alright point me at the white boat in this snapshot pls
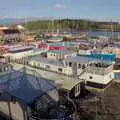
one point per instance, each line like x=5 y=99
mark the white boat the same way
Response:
x=96 y=73
x=55 y=39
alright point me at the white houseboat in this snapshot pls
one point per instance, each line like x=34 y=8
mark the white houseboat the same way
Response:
x=96 y=73
x=22 y=52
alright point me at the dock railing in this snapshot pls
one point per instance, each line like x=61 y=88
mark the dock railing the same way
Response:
x=99 y=70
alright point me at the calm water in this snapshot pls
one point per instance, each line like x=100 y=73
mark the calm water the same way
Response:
x=100 y=33
x=117 y=76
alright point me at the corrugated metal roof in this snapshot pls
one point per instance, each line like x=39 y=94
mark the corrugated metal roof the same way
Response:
x=47 y=61
x=79 y=59
x=20 y=49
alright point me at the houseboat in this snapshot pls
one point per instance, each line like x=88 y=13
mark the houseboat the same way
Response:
x=96 y=73
x=55 y=39
x=22 y=52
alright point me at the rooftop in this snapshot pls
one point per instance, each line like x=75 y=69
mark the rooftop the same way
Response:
x=10 y=31
x=61 y=81
x=47 y=61
x=62 y=51
x=80 y=59
x=20 y=49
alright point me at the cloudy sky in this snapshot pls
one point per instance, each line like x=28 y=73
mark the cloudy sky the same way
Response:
x=94 y=9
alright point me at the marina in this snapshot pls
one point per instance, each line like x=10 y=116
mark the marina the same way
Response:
x=44 y=77
x=59 y=60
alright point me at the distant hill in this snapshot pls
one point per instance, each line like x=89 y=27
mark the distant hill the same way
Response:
x=7 y=21
x=71 y=24
x=46 y=24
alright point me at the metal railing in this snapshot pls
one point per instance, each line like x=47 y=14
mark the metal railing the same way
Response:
x=99 y=70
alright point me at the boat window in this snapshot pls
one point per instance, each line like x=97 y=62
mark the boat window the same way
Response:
x=47 y=66
x=79 y=65
x=70 y=64
x=59 y=69
x=90 y=77
x=83 y=67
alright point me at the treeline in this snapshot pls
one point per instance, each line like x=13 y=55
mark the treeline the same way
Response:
x=71 y=24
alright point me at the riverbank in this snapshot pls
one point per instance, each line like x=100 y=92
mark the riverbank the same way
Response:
x=100 y=106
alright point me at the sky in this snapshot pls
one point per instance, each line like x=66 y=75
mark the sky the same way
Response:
x=88 y=9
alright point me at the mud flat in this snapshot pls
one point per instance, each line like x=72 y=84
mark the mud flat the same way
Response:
x=103 y=105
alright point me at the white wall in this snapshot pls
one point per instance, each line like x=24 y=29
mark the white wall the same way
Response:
x=51 y=56
x=98 y=78
x=84 y=52
x=68 y=71
x=65 y=70
x=23 y=54
x=19 y=55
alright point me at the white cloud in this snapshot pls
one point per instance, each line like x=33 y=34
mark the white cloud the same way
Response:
x=59 y=6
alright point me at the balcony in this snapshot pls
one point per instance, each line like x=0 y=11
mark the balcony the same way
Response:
x=99 y=69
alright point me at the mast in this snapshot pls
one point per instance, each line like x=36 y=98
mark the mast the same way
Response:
x=112 y=31
x=53 y=30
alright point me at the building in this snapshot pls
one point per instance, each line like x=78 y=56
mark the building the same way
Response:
x=9 y=35
x=78 y=64
x=79 y=67
x=19 y=52
x=65 y=66
x=28 y=37
x=60 y=55
x=24 y=95
x=112 y=49
x=59 y=51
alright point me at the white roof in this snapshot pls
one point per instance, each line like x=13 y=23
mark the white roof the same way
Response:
x=62 y=81
x=79 y=59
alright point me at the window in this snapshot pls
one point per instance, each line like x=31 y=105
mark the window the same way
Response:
x=79 y=65
x=70 y=64
x=83 y=67
x=77 y=90
x=90 y=77
x=47 y=66
x=59 y=69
